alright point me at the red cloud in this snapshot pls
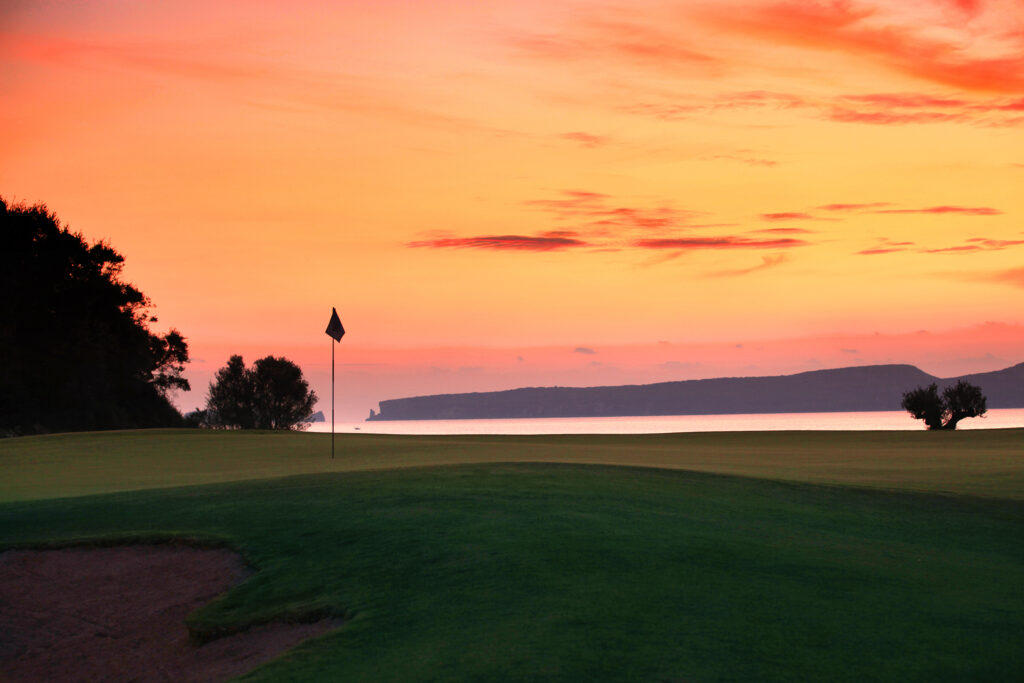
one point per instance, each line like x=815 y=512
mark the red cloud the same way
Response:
x=727 y=242
x=503 y=242
x=880 y=33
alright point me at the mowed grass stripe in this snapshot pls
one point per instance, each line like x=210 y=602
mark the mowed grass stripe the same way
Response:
x=512 y=572
x=983 y=462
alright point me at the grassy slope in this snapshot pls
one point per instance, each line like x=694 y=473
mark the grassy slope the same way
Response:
x=559 y=572
x=984 y=462
x=566 y=572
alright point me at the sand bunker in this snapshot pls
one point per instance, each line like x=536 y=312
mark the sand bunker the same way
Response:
x=118 y=614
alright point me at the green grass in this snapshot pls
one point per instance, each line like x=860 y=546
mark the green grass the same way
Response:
x=983 y=462
x=519 y=571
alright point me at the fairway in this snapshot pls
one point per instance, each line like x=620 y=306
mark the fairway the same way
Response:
x=981 y=462
x=457 y=558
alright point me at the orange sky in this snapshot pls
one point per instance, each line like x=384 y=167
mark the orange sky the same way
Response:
x=684 y=189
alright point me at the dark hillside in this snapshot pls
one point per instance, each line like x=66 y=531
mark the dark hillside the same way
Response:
x=877 y=387
x=866 y=388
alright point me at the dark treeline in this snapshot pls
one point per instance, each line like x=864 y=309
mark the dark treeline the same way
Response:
x=76 y=351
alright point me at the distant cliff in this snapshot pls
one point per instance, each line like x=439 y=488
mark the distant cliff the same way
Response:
x=864 y=388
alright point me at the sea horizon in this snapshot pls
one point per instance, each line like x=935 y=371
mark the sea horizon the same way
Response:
x=888 y=420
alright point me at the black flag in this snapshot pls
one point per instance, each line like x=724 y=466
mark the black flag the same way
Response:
x=334 y=328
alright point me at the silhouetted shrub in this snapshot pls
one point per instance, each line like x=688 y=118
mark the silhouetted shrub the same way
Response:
x=272 y=394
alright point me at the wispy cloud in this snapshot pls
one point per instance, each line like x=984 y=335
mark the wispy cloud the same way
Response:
x=728 y=242
x=975 y=244
x=870 y=108
x=744 y=156
x=784 y=231
x=586 y=139
x=612 y=41
x=923 y=43
x=503 y=242
x=886 y=246
x=597 y=213
x=960 y=210
x=788 y=216
x=852 y=207
x=594 y=222
x=972 y=245
x=1013 y=277
x=767 y=261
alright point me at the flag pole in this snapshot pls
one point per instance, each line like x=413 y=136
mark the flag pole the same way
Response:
x=332 y=399
x=335 y=330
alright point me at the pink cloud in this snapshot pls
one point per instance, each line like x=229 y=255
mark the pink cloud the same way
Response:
x=961 y=210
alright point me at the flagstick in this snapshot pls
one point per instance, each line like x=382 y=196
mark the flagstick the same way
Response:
x=332 y=399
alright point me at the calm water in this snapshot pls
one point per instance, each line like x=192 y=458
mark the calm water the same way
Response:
x=893 y=420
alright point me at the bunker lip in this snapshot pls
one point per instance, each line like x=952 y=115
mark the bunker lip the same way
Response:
x=118 y=613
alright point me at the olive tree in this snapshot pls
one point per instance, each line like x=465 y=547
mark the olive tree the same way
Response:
x=957 y=402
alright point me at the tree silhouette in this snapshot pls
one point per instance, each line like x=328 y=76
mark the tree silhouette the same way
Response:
x=944 y=412
x=272 y=394
x=76 y=351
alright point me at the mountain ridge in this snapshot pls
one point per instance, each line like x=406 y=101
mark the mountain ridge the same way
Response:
x=855 y=388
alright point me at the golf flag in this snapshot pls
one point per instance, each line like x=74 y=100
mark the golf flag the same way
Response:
x=334 y=328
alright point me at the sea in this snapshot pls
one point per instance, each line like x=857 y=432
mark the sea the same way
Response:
x=664 y=424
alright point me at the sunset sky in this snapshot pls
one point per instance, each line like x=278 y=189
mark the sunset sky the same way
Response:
x=510 y=193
